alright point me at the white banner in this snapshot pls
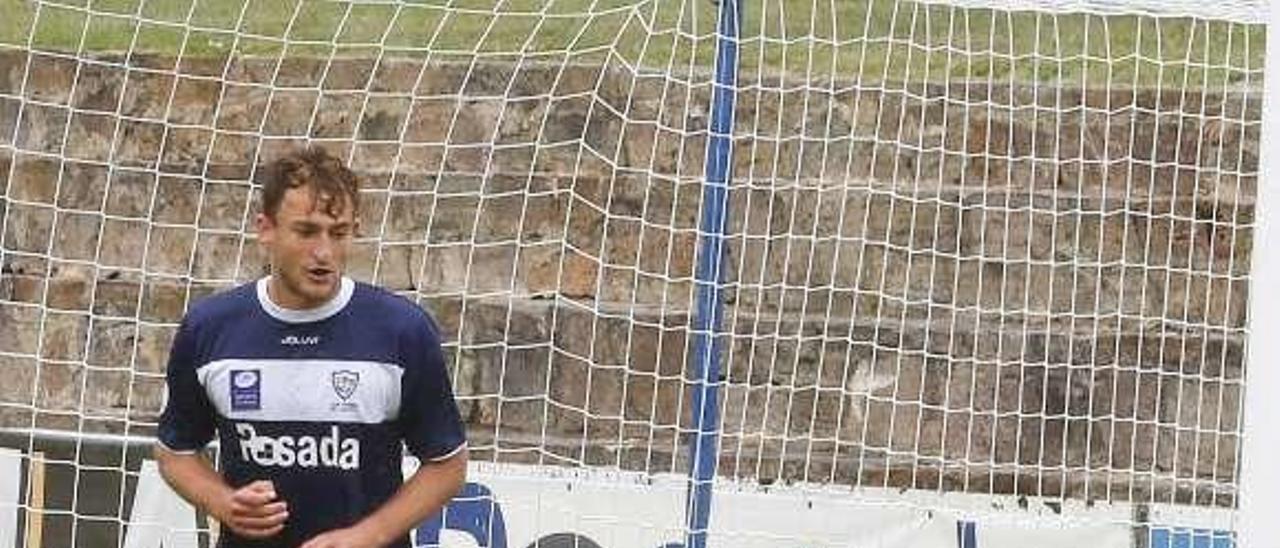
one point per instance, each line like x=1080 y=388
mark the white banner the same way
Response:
x=521 y=506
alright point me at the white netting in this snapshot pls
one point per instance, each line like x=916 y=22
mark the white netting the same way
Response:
x=975 y=250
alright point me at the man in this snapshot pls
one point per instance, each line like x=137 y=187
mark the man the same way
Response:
x=314 y=384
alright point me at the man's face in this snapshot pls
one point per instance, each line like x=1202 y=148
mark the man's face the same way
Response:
x=307 y=247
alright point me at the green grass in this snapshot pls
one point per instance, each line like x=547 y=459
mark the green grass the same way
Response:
x=813 y=39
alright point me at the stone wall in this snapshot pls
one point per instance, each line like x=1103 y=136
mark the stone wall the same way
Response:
x=1020 y=289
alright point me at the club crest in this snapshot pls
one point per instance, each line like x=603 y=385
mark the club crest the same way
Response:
x=345 y=383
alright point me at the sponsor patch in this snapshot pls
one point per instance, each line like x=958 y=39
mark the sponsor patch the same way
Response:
x=246 y=390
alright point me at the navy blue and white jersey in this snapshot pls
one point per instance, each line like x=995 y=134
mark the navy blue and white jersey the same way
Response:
x=322 y=402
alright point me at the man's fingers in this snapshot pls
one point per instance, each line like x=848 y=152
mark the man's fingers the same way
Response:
x=239 y=509
x=252 y=498
x=255 y=493
x=261 y=522
x=255 y=511
x=261 y=485
x=258 y=533
x=322 y=541
x=260 y=510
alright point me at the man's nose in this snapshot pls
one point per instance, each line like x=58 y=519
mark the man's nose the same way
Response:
x=323 y=250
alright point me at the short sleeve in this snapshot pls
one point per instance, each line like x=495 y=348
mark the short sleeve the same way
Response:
x=187 y=423
x=429 y=418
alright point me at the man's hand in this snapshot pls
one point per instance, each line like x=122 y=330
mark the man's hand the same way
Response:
x=351 y=537
x=253 y=511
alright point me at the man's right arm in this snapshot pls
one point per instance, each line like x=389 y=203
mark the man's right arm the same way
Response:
x=251 y=511
x=186 y=426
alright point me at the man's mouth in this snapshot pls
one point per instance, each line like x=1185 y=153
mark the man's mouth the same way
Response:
x=319 y=274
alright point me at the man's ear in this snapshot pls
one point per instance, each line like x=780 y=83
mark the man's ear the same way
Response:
x=265 y=226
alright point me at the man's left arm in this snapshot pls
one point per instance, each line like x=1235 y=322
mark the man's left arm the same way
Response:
x=422 y=495
x=433 y=431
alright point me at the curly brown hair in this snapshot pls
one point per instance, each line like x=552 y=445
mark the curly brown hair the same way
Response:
x=314 y=167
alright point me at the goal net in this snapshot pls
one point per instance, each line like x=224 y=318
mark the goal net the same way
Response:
x=824 y=272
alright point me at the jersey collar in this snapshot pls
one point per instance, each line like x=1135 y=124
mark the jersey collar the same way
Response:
x=346 y=287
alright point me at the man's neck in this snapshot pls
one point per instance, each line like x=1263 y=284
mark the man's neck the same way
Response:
x=280 y=294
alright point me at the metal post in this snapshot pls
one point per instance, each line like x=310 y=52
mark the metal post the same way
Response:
x=709 y=312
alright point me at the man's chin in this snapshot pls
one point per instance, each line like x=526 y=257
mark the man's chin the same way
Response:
x=313 y=291
x=320 y=291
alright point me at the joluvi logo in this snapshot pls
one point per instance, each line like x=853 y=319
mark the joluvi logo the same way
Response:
x=295 y=340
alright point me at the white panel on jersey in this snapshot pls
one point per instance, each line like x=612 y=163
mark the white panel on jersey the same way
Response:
x=10 y=478
x=303 y=390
